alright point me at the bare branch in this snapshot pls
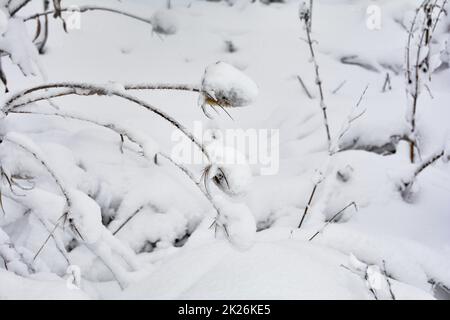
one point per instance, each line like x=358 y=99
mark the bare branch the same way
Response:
x=13 y=11
x=123 y=132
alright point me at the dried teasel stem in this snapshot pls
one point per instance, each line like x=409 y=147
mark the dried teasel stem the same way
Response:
x=332 y=220
x=82 y=89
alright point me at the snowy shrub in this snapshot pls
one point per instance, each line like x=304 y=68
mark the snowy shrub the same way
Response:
x=91 y=194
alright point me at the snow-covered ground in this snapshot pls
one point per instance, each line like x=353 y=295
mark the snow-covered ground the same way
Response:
x=139 y=228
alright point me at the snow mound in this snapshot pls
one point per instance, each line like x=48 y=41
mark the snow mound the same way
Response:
x=226 y=86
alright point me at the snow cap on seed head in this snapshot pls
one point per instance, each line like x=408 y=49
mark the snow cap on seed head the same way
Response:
x=3 y=22
x=225 y=86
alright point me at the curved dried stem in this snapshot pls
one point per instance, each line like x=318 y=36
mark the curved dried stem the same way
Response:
x=123 y=132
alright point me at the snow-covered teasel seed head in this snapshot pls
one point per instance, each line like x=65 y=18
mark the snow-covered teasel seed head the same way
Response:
x=164 y=22
x=225 y=86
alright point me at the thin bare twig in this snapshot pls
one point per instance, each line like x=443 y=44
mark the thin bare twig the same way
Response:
x=83 y=89
x=308 y=205
x=388 y=281
x=419 y=169
x=413 y=73
x=333 y=219
x=339 y=87
x=305 y=17
x=13 y=11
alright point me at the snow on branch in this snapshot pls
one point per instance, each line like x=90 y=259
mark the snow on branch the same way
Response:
x=419 y=62
x=137 y=139
x=81 y=89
